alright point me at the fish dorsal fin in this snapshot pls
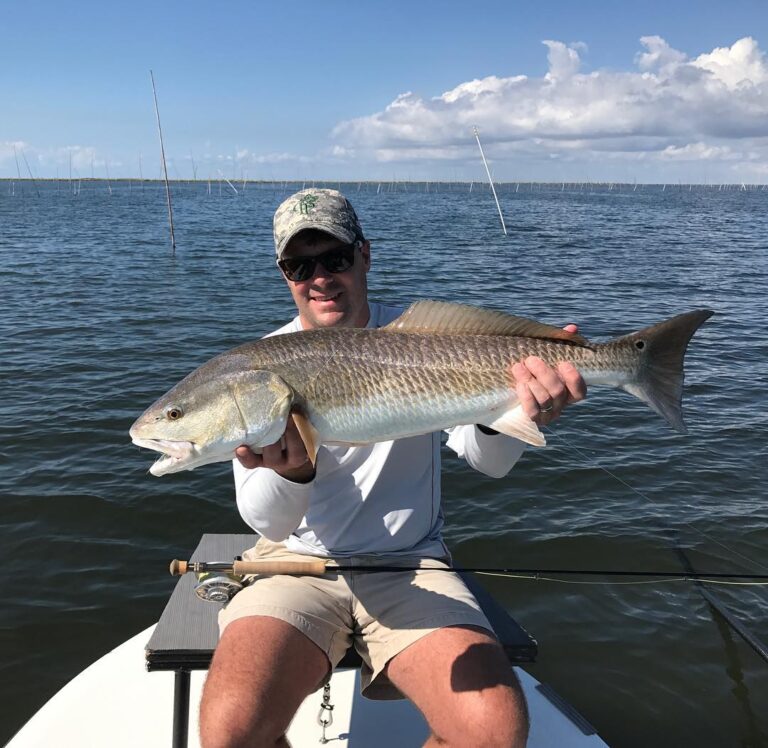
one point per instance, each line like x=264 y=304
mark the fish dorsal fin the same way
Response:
x=462 y=319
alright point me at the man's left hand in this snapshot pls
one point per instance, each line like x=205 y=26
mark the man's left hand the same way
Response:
x=544 y=391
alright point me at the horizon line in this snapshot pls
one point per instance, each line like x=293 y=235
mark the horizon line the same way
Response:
x=317 y=182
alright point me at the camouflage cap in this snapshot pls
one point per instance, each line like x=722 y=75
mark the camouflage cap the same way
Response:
x=325 y=210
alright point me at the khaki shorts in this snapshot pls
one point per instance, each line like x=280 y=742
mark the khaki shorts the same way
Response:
x=379 y=613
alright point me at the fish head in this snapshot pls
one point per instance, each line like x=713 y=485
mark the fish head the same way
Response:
x=203 y=419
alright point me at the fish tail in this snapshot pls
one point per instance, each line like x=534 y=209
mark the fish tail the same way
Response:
x=659 y=376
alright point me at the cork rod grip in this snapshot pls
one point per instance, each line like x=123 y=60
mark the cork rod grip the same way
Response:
x=315 y=567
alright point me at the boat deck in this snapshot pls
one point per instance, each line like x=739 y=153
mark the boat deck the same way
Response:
x=117 y=702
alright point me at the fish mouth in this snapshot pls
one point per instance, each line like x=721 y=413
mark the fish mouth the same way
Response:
x=175 y=454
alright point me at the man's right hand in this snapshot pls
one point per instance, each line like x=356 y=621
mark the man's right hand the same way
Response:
x=287 y=457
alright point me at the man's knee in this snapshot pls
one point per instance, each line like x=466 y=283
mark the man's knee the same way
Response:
x=238 y=735
x=492 y=718
x=261 y=671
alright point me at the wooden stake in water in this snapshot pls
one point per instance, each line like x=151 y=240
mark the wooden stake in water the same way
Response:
x=234 y=189
x=18 y=172
x=490 y=181
x=26 y=163
x=165 y=168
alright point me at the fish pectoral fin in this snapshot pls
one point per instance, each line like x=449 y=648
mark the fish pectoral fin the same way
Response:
x=308 y=434
x=515 y=423
x=263 y=402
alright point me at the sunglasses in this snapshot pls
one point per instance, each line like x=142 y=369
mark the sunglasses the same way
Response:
x=337 y=260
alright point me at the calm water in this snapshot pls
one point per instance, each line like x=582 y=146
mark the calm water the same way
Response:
x=98 y=319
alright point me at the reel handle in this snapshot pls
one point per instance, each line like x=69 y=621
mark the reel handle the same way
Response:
x=178 y=567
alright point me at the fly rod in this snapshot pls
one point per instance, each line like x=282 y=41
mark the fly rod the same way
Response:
x=165 y=168
x=488 y=172
x=318 y=567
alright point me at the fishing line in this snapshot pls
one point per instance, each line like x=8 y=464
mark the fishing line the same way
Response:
x=752 y=562
x=700 y=580
x=694 y=579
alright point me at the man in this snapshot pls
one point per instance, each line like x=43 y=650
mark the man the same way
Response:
x=420 y=634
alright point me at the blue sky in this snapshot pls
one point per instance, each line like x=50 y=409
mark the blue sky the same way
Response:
x=613 y=91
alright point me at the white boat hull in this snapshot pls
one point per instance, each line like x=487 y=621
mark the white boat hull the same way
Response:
x=116 y=702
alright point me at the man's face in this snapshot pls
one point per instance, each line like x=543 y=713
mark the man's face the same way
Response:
x=330 y=299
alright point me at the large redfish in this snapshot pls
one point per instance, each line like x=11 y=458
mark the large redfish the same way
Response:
x=438 y=365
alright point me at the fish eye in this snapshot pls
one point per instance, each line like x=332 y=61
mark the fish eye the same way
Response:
x=173 y=412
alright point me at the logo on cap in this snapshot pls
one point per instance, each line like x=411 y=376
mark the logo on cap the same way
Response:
x=306 y=204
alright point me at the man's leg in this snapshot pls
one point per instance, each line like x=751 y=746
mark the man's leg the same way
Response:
x=262 y=670
x=461 y=680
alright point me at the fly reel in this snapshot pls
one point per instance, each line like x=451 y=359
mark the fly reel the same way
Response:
x=217 y=586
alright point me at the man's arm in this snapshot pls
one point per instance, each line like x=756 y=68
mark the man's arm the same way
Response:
x=273 y=488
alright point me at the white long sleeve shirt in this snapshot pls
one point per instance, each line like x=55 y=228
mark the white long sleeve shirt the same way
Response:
x=381 y=498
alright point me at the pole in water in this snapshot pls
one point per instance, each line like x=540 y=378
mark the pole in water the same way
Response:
x=18 y=171
x=490 y=181
x=165 y=168
x=234 y=189
x=26 y=163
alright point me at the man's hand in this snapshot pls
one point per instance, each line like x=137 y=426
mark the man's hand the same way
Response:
x=287 y=457
x=544 y=391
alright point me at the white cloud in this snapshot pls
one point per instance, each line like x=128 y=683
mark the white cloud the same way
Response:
x=670 y=108
x=742 y=65
x=339 y=151
x=13 y=153
x=658 y=55
x=10 y=147
x=247 y=157
x=563 y=61
x=45 y=161
x=83 y=158
x=698 y=152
